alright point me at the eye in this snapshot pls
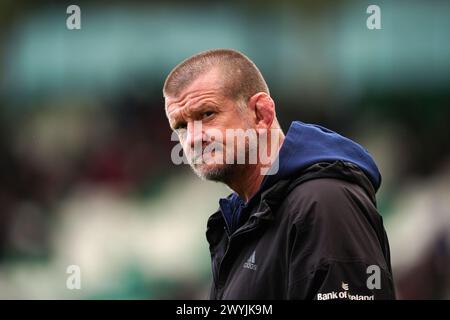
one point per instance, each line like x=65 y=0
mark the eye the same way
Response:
x=207 y=114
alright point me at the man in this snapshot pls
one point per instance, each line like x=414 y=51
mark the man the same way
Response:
x=309 y=228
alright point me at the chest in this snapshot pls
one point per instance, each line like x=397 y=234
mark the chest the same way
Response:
x=252 y=265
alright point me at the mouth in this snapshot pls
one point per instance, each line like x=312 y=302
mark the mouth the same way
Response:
x=208 y=155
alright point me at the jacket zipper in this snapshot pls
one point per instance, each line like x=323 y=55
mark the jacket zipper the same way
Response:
x=233 y=236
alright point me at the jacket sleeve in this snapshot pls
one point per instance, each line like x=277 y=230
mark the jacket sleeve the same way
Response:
x=336 y=244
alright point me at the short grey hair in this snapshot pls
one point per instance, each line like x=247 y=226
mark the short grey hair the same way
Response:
x=242 y=78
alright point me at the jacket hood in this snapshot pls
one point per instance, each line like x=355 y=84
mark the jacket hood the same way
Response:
x=308 y=144
x=307 y=153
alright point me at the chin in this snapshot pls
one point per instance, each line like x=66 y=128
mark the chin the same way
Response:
x=219 y=173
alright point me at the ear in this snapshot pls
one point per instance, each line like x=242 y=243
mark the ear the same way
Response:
x=264 y=109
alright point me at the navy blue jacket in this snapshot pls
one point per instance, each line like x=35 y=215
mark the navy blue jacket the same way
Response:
x=312 y=231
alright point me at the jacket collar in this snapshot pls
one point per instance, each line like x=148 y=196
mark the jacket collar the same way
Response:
x=266 y=208
x=271 y=198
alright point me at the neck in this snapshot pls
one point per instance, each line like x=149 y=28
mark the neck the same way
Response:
x=247 y=180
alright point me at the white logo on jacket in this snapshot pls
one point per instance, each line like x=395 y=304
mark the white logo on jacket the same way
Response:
x=250 y=263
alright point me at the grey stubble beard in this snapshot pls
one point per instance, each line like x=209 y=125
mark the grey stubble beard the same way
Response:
x=221 y=173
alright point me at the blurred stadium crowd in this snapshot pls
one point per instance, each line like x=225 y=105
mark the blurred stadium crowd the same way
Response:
x=86 y=176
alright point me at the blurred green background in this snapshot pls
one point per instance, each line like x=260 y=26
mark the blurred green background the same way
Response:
x=86 y=176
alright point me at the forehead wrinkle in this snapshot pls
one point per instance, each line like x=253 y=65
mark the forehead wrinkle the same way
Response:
x=197 y=95
x=210 y=82
x=190 y=100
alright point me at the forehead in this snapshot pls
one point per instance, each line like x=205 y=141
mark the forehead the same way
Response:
x=208 y=86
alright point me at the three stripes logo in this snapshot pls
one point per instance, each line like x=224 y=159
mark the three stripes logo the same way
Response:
x=250 y=263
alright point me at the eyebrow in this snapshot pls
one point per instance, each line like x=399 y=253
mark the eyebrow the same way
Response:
x=189 y=111
x=205 y=105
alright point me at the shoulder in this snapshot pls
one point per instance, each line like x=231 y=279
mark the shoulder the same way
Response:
x=319 y=187
x=327 y=200
x=321 y=190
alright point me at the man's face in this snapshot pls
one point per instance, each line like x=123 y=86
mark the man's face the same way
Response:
x=204 y=102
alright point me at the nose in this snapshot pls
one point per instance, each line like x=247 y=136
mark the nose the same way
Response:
x=194 y=134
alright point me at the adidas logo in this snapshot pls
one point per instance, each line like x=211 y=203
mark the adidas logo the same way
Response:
x=250 y=263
